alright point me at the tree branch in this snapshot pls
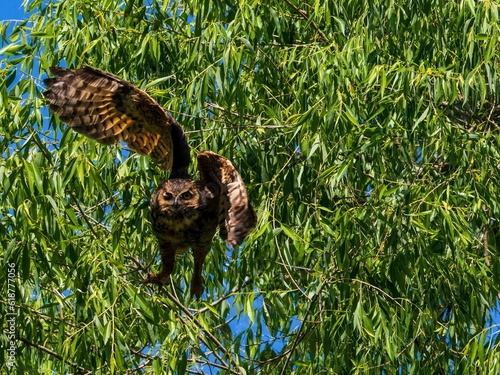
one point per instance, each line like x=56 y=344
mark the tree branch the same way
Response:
x=206 y=333
x=247 y=281
x=305 y=16
x=55 y=355
x=300 y=334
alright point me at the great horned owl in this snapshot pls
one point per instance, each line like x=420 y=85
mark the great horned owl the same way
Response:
x=184 y=213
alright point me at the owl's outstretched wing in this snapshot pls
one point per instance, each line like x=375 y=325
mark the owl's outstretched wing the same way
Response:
x=237 y=217
x=108 y=109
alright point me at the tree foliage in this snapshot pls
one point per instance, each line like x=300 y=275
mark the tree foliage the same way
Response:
x=368 y=135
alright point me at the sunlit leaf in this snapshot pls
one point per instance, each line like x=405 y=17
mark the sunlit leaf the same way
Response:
x=367 y=136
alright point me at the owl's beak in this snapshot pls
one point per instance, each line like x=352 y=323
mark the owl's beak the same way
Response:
x=176 y=202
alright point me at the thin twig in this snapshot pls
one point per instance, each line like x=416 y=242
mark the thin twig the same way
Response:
x=55 y=355
x=247 y=117
x=300 y=334
x=247 y=281
x=485 y=238
x=212 y=338
x=377 y=289
x=304 y=15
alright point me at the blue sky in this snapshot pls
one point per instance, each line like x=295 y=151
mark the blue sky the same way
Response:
x=11 y=10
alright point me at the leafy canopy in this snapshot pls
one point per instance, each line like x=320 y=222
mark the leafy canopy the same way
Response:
x=368 y=135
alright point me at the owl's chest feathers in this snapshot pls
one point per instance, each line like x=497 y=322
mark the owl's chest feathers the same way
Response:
x=185 y=228
x=184 y=213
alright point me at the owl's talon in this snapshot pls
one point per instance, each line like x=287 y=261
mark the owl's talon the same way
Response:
x=197 y=290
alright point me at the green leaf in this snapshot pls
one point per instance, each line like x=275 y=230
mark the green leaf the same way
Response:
x=289 y=232
x=365 y=133
x=156 y=82
x=12 y=49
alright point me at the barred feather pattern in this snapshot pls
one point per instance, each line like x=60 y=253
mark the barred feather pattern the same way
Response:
x=108 y=109
x=237 y=216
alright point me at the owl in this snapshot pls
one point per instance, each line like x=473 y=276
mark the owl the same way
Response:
x=185 y=213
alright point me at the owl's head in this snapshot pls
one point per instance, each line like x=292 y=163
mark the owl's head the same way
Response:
x=180 y=195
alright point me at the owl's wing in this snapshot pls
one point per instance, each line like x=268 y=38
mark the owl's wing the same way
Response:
x=237 y=217
x=108 y=109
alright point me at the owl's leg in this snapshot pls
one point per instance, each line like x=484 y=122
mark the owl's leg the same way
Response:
x=167 y=251
x=199 y=255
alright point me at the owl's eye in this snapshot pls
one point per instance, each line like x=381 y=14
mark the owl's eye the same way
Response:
x=187 y=195
x=167 y=196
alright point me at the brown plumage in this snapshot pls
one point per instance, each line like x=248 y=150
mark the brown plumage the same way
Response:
x=184 y=213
